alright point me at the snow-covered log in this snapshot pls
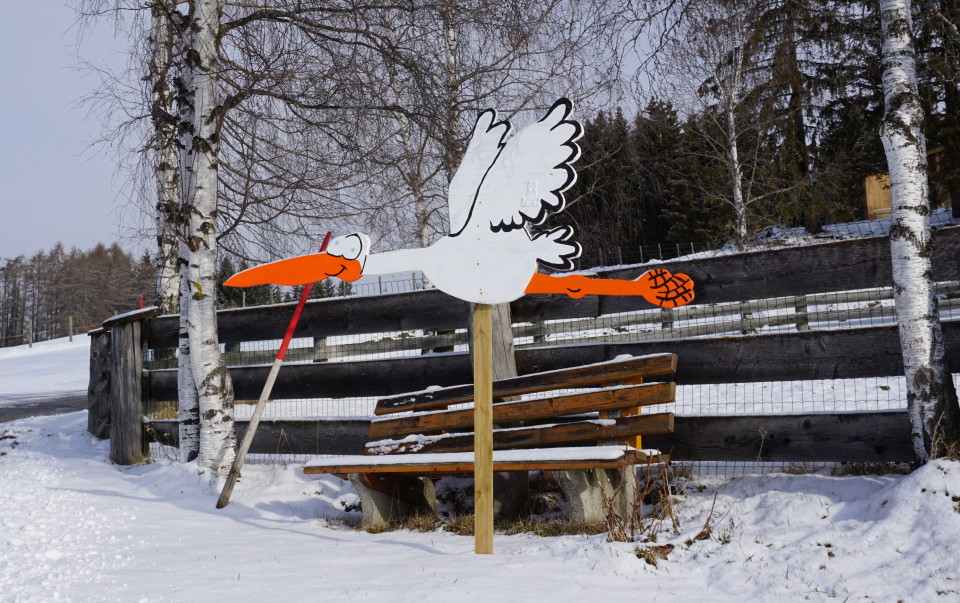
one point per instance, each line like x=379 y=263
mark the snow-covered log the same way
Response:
x=931 y=397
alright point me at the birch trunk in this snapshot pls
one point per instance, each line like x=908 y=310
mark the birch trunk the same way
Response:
x=931 y=397
x=188 y=401
x=736 y=178
x=165 y=142
x=214 y=387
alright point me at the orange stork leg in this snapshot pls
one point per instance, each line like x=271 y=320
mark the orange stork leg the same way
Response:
x=657 y=286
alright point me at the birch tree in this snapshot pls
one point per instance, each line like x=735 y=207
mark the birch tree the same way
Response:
x=166 y=163
x=931 y=397
x=214 y=387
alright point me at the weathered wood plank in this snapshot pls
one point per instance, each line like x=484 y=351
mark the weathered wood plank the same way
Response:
x=843 y=354
x=575 y=377
x=836 y=266
x=843 y=265
x=534 y=437
x=127 y=444
x=837 y=437
x=341 y=436
x=335 y=379
x=438 y=466
x=98 y=388
x=609 y=399
x=430 y=309
x=822 y=437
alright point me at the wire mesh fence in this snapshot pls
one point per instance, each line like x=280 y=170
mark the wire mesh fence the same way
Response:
x=820 y=312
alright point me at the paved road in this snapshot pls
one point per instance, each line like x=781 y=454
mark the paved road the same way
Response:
x=21 y=406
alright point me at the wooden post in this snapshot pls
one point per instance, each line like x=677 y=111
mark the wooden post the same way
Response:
x=127 y=444
x=803 y=318
x=98 y=389
x=320 y=351
x=483 y=428
x=70 y=321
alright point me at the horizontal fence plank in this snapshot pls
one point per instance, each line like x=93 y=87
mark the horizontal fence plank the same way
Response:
x=837 y=437
x=843 y=265
x=842 y=354
x=333 y=379
x=430 y=309
x=836 y=266
x=342 y=436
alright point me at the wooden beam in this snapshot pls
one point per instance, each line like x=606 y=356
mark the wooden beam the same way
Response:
x=527 y=410
x=843 y=265
x=820 y=437
x=575 y=377
x=835 y=266
x=482 y=420
x=840 y=354
x=127 y=444
x=438 y=467
x=835 y=437
x=536 y=436
x=429 y=309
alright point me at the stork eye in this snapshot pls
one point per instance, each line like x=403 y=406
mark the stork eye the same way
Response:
x=349 y=247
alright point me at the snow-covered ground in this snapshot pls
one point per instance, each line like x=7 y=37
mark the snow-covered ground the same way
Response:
x=75 y=527
x=47 y=368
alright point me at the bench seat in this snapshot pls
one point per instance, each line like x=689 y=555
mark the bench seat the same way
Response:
x=579 y=457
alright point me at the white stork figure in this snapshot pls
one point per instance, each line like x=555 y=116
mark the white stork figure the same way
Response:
x=503 y=184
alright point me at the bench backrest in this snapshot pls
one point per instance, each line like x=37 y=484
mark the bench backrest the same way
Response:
x=540 y=422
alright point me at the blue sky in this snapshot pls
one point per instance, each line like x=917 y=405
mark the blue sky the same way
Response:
x=52 y=186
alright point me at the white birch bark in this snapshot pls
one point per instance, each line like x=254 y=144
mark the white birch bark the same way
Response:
x=214 y=387
x=165 y=143
x=931 y=397
x=188 y=401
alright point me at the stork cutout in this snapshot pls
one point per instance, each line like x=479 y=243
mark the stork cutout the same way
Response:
x=504 y=185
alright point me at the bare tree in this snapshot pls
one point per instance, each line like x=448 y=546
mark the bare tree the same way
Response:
x=931 y=396
x=166 y=164
x=719 y=73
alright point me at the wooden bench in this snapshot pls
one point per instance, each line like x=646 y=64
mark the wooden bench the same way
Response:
x=588 y=439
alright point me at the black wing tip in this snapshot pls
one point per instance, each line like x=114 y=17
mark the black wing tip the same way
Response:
x=566 y=259
x=494 y=124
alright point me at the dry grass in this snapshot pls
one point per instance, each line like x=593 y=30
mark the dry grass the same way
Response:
x=871 y=469
x=653 y=554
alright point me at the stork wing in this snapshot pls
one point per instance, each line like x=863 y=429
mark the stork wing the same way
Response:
x=486 y=143
x=531 y=172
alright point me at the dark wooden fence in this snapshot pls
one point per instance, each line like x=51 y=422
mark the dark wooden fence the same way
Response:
x=794 y=356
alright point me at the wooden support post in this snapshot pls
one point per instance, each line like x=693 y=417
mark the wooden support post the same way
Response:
x=127 y=444
x=483 y=428
x=803 y=318
x=746 y=319
x=320 y=351
x=98 y=389
x=70 y=321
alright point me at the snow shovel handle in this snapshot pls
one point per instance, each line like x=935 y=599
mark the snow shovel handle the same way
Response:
x=234 y=474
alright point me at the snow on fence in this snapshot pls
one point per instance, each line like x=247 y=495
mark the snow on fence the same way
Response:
x=788 y=355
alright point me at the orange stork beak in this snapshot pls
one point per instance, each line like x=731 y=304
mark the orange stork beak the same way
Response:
x=298 y=271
